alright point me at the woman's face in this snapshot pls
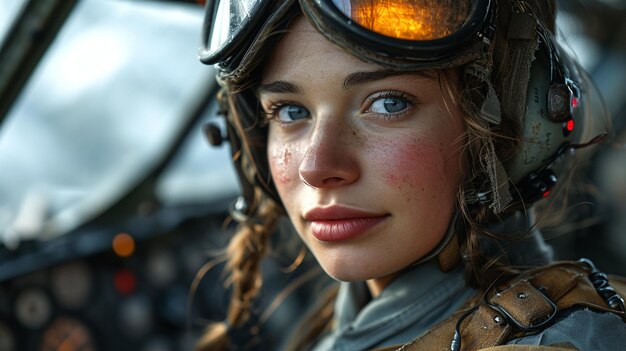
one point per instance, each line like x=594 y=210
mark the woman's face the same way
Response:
x=366 y=162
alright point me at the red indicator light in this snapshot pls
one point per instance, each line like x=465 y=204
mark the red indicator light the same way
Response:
x=125 y=282
x=545 y=193
x=575 y=102
x=569 y=125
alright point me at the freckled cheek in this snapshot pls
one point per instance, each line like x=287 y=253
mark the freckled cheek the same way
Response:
x=412 y=165
x=279 y=158
x=284 y=161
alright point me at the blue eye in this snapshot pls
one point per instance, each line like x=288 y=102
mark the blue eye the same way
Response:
x=389 y=104
x=291 y=113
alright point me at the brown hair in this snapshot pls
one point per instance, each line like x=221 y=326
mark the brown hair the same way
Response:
x=250 y=243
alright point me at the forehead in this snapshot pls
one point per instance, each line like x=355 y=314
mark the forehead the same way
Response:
x=303 y=51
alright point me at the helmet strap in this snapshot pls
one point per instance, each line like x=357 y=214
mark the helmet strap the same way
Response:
x=450 y=255
x=448 y=252
x=513 y=54
x=519 y=56
x=490 y=113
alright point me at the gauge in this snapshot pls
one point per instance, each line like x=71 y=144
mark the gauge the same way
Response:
x=33 y=308
x=136 y=315
x=68 y=334
x=161 y=267
x=7 y=338
x=71 y=284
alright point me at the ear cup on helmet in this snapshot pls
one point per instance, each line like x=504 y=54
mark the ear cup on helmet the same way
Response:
x=558 y=118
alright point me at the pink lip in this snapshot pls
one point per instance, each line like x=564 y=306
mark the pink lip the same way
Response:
x=338 y=223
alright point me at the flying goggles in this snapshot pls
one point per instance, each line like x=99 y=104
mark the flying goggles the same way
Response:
x=394 y=33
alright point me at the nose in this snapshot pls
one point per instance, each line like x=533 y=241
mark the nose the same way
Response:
x=329 y=160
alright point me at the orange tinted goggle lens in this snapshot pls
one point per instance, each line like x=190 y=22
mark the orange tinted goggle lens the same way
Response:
x=408 y=20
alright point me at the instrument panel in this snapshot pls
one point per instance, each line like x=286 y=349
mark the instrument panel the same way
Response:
x=116 y=300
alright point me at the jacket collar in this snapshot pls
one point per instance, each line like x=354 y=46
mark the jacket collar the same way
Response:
x=406 y=308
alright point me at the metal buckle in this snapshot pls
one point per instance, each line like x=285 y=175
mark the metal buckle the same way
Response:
x=533 y=327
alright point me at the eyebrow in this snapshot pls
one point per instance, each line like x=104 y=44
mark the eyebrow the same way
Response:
x=357 y=78
x=351 y=80
x=279 y=86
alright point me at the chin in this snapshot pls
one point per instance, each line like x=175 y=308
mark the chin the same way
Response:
x=352 y=271
x=346 y=277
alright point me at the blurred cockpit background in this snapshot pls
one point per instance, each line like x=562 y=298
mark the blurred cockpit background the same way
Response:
x=112 y=202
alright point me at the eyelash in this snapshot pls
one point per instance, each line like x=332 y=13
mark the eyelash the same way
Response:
x=271 y=112
x=410 y=100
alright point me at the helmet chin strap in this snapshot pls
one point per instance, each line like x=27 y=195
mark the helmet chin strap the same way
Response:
x=448 y=250
x=450 y=255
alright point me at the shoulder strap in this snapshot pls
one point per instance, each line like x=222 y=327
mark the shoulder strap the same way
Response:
x=524 y=304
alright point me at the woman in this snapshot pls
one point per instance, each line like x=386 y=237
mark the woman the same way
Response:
x=406 y=142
